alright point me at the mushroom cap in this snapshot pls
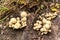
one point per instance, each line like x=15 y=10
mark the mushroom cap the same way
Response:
x=23 y=14
x=44 y=20
x=43 y=29
x=47 y=26
x=39 y=22
x=18 y=19
x=24 y=19
x=17 y=26
x=36 y=24
x=10 y=24
x=37 y=27
x=48 y=22
x=13 y=20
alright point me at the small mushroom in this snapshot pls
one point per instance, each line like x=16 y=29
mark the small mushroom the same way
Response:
x=18 y=19
x=13 y=20
x=17 y=26
x=49 y=30
x=43 y=29
x=10 y=24
x=23 y=24
x=36 y=24
x=55 y=14
x=48 y=22
x=44 y=20
x=37 y=27
x=23 y=14
x=44 y=33
x=39 y=22
x=47 y=26
x=23 y=19
x=49 y=18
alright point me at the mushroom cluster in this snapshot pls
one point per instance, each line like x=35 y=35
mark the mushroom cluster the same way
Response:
x=46 y=26
x=44 y=22
x=37 y=25
x=24 y=18
x=50 y=16
x=17 y=23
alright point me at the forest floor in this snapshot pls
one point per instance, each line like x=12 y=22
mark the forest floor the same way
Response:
x=28 y=33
